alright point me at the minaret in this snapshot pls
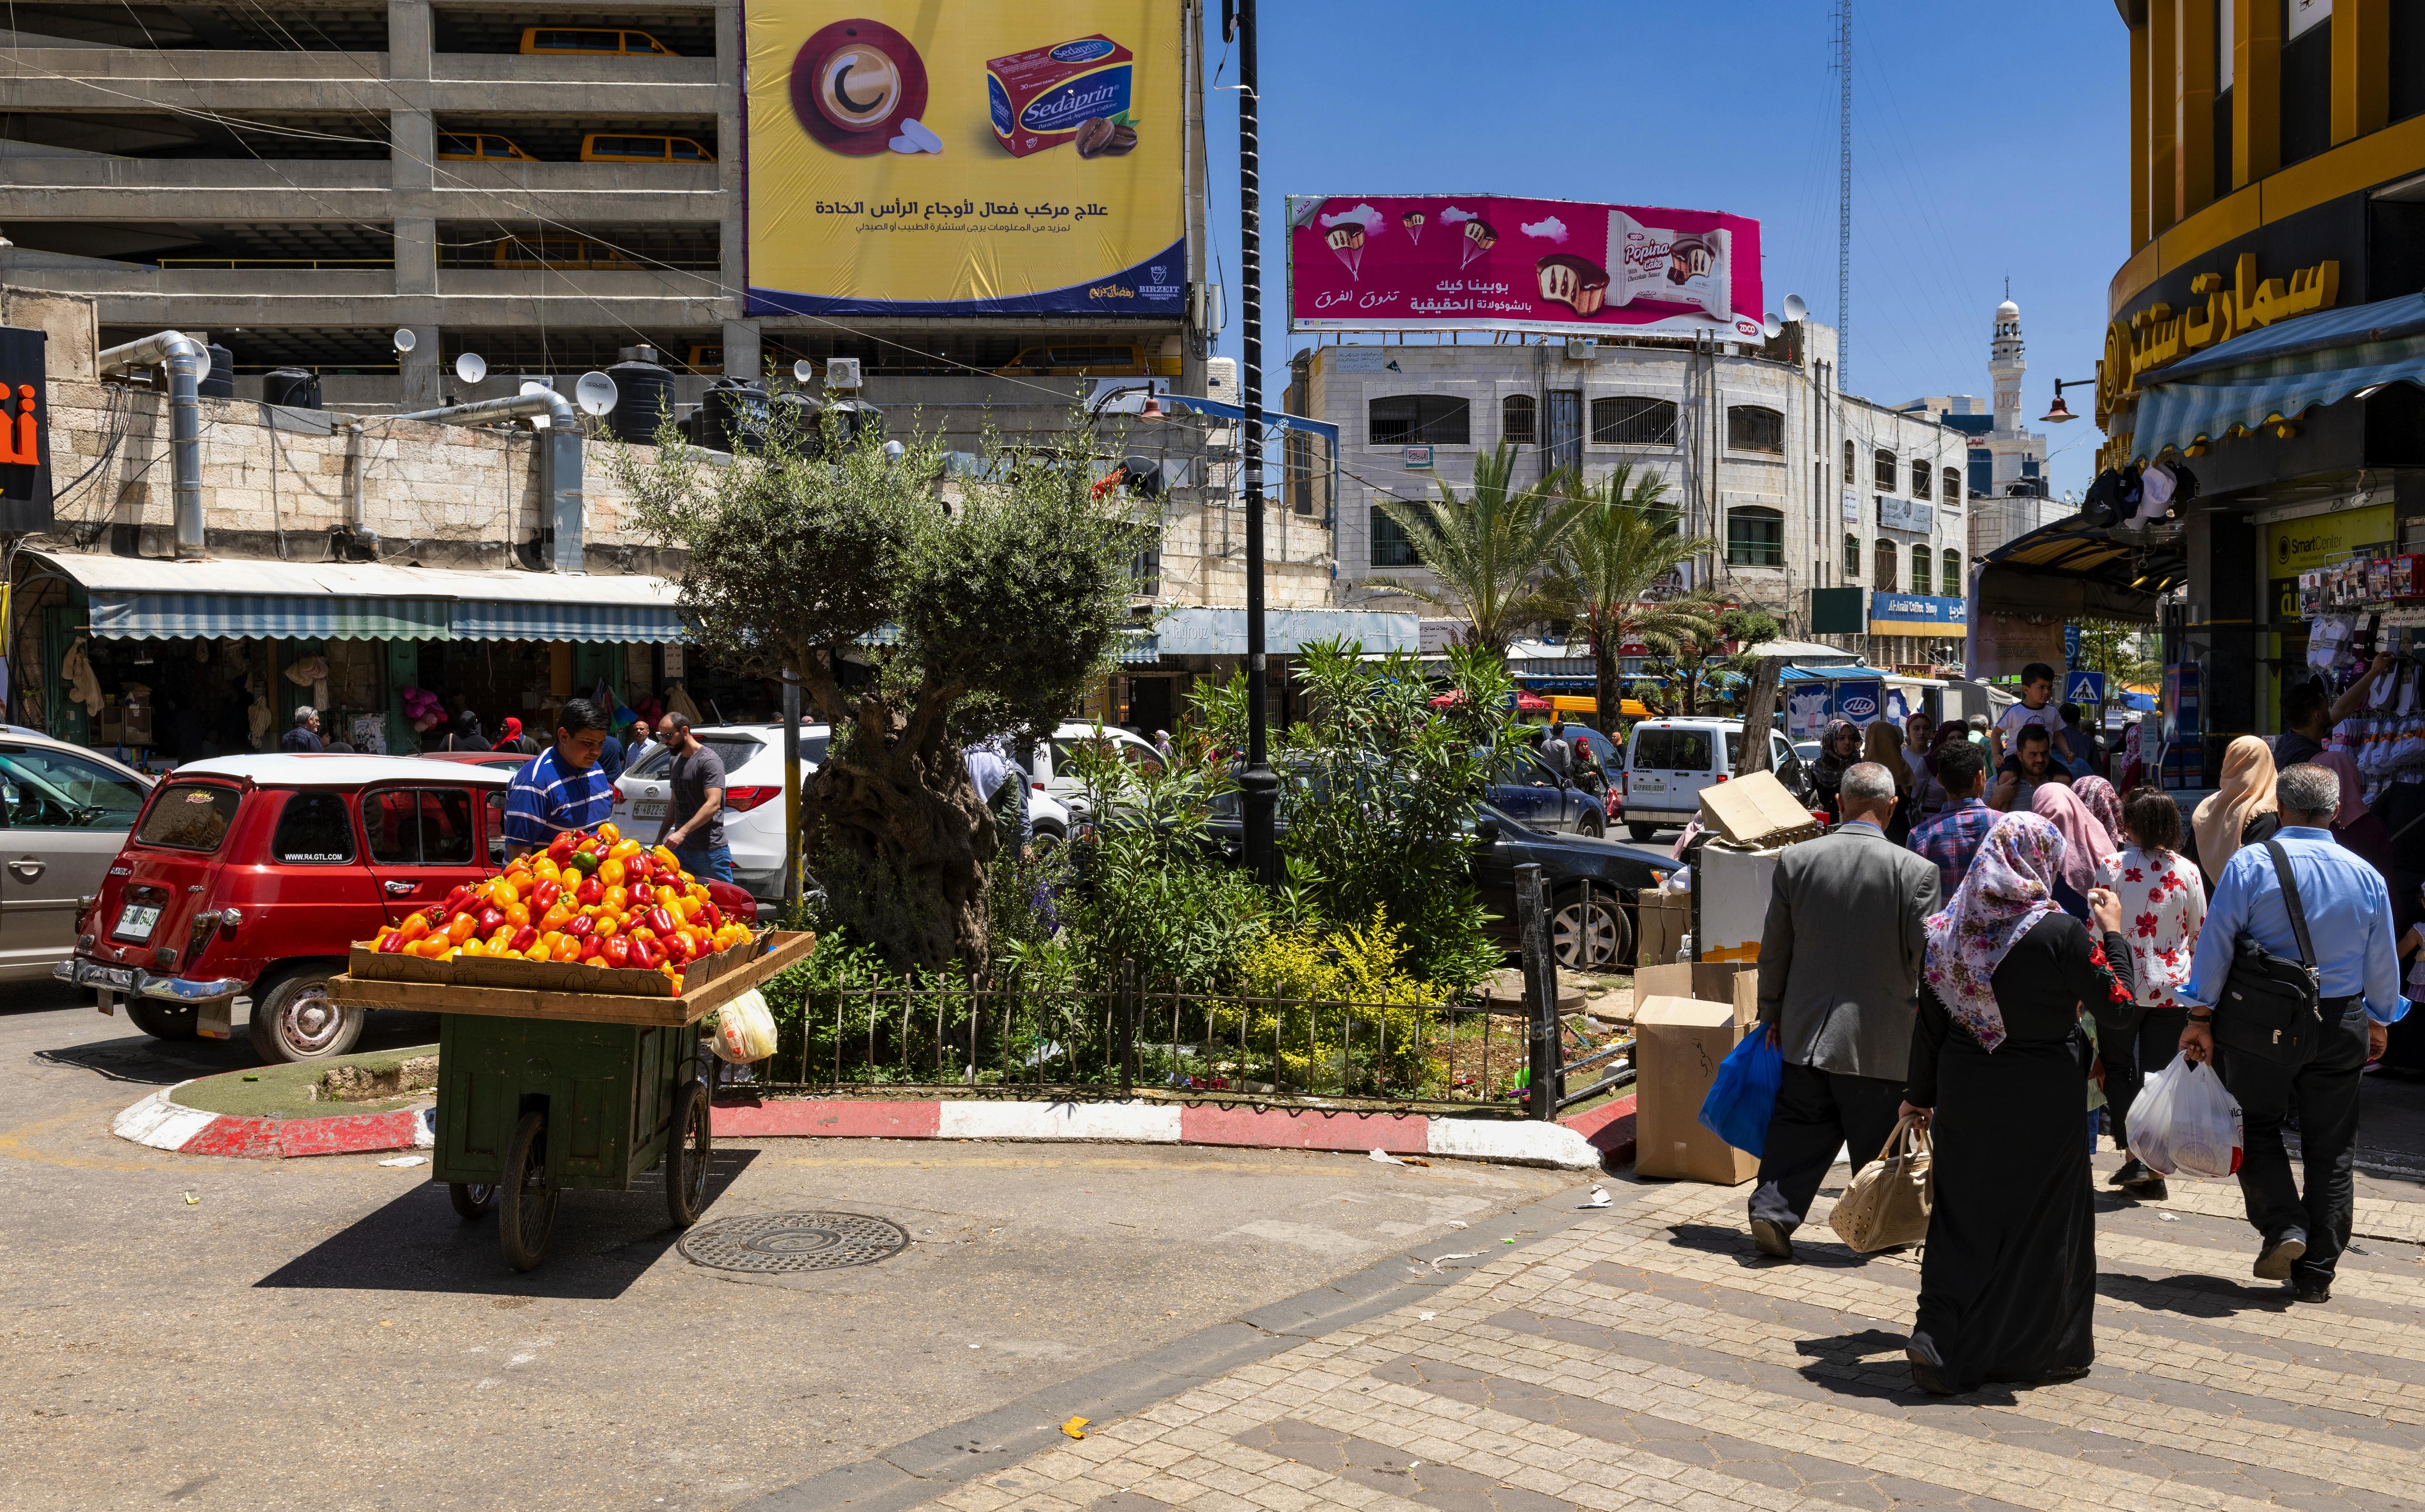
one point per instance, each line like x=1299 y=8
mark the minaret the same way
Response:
x=2006 y=366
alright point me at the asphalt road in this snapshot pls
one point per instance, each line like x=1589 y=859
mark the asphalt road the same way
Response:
x=210 y=1333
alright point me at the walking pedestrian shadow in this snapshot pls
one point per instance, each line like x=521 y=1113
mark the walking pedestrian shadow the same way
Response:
x=604 y=1241
x=2192 y=1294
x=1814 y=1245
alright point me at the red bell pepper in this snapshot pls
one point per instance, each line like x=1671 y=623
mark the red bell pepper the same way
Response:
x=393 y=944
x=590 y=948
x=647 y=952
x=580 y=925
x=713 y=915
x=457 y=899
x=592 y=893
x=543 y=896
x=560 y=850
x=523 y=939
x=659 y=920
x=490 y=917
x=617 y=951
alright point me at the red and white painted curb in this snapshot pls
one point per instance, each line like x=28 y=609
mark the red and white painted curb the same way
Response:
x=1562 y=1146
x=1589 y=1141
x=162 y=1124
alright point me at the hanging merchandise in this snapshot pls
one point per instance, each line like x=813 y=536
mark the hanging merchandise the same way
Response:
x=2155 y=493
x=258 y=719
x=308 y=670
x=2328 y=642
x=75 y=669
x=677 y=700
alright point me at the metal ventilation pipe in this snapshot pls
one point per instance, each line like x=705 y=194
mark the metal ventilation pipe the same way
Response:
x=559 y=459
x=189 y=363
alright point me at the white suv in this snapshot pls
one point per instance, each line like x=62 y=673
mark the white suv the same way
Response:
x=1050 y=777
x=753 y=798
x=1667 y=762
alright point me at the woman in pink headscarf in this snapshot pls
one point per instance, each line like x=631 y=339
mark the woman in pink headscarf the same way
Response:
x=2355 y=826
x=2100 y=799
x=2085 y=845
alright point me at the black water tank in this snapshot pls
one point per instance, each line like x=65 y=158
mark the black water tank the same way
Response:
x=847 y=420
x=220 y=382
x=797 y=417
x=732 y=415
x=644 y=395
x=291 y=386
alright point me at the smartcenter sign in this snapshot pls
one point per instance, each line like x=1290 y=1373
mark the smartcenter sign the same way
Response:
x=2157 y=336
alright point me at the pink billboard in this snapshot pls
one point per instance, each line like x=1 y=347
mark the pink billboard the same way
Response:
x=1448 y=261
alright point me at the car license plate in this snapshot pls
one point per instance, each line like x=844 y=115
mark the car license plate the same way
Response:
x=647 y=808
x=136 y=921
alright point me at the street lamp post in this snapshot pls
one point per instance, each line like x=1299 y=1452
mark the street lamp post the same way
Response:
x=2062 y=412
x=1259 y=788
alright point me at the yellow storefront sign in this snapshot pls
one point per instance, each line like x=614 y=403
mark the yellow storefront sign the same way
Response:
x=966 y=159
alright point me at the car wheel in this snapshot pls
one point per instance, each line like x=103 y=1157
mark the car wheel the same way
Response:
x=294 y=1020
x=1641 y=832
x=162 y=1020
x=1044 y=837
x=1589 y=823
x=1589 y=935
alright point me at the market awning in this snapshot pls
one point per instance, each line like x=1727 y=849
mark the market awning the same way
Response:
x=2279 y=371
x=139 y=598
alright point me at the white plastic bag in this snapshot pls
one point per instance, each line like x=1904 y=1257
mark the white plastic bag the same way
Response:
x=2184 y=1122
x=744 y=1029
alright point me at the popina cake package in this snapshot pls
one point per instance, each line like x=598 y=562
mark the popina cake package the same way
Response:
x=1689 y=267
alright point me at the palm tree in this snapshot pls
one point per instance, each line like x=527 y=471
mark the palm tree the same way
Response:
x=1624 y=545
x=1490 y=551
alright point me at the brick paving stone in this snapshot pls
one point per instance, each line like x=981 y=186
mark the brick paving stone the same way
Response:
x=1648 y=1358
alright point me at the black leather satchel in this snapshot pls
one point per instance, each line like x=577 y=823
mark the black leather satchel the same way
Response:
x=2269 y=1006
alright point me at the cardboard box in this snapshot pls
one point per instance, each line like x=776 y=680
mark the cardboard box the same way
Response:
x=1734 y=883
x=1731 y=982
x=1679 y=1044
x=1755 y=812
x=1664 y=919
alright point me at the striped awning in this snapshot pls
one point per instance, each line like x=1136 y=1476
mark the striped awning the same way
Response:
x=2280 y=372
x=264 y=616
x=520 y=620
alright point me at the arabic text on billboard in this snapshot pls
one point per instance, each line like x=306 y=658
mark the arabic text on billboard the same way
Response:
x=1446 y=262
x=965 y=160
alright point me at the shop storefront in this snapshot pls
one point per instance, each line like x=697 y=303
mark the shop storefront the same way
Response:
x=166 y=661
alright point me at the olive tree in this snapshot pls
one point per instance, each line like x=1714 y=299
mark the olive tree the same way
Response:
x=919 y=613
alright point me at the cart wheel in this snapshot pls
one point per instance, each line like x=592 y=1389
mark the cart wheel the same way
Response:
x=471 y=1199
x=686 y=1156
x=528 y=1216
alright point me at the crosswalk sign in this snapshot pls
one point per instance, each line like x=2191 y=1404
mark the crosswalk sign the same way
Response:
x=2083 y=687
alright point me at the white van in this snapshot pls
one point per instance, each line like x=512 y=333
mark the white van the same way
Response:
x=1667 y=762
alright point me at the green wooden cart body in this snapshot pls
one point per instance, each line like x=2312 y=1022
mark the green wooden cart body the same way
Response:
x=607 y=1091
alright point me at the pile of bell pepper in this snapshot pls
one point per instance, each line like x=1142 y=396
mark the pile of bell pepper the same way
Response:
x=593 y=898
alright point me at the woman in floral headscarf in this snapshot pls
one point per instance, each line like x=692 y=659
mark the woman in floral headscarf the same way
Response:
x=2104 y=804
x=1840 y=747
x=1998 y=1073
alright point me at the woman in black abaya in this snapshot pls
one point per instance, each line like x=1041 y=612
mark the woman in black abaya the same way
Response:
x=1999 y=1073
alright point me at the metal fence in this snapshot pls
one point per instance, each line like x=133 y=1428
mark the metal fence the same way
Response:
x=1010 y=1037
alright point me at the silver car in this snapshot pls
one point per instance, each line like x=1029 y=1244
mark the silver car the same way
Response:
x=69 y=811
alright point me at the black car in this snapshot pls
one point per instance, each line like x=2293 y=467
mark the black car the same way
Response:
x=1591 y=882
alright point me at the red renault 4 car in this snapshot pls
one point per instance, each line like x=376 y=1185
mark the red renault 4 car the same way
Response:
x=247 y=879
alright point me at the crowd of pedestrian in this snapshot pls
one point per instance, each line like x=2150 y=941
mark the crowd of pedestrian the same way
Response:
x=2043 y=946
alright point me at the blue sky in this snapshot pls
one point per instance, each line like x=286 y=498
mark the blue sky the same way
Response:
x=1988 y=140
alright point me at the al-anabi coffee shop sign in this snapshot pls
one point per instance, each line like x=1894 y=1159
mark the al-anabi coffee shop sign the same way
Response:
x=2160 y=336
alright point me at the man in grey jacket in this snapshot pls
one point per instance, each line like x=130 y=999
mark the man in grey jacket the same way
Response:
x=1839 y=962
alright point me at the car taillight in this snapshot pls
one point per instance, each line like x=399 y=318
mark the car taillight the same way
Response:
x=743 y=799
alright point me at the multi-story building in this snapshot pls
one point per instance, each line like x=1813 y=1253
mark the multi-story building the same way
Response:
x=1795 y=486
x=543 y=185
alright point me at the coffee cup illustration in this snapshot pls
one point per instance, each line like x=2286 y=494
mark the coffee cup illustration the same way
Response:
x=858 y=85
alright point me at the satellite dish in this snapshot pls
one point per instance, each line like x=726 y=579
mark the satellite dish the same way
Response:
x=803 y=370
x=894 y=450
x=471 y=368
x=1770 y=324
x=405 y=340
x=595 y=394
x=1796 y=308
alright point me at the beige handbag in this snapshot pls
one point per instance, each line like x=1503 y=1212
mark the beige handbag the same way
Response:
x=1888 y=1203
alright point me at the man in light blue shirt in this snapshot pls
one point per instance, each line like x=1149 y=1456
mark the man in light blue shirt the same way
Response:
x=2348 y=910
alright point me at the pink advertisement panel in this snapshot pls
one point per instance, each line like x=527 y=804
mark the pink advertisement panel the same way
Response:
x=1444 y=262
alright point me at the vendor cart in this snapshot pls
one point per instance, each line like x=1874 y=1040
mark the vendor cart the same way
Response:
x=545 y=1086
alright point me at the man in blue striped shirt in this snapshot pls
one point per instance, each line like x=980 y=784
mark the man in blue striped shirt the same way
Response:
x=563 y=787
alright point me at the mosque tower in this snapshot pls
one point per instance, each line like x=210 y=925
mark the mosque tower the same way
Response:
x=2006 y=364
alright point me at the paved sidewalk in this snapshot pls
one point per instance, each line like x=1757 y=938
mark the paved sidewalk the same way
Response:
x=1645 y=1356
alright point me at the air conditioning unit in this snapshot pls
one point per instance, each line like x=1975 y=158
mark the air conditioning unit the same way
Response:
x=1581 y=348
x=841 y=373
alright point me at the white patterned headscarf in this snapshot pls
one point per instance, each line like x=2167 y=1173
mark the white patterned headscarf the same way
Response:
x=2009 y=888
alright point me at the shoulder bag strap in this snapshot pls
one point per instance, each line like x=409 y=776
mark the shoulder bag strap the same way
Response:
x=2290 y=902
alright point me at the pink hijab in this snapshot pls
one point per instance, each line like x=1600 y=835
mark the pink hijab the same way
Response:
x=2085 y=841
x=2008 y=889
x=2353 y=795
x=2098 y=796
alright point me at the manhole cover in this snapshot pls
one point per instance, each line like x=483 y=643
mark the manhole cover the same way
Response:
x=787 y=1241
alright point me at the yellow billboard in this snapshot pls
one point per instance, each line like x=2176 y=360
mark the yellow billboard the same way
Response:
x=966 y=159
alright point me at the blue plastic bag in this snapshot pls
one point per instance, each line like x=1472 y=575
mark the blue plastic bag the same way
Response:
x=1743 y=1096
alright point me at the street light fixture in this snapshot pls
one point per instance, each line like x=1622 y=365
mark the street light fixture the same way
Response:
x=2062 y=412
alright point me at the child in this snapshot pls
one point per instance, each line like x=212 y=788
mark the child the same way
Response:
x=2036 y=708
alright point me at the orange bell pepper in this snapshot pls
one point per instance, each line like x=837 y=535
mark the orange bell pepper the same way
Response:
x=608 y=833
x=415 y=925
x=610 y=872
x=461 y=928
x=517 y=913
